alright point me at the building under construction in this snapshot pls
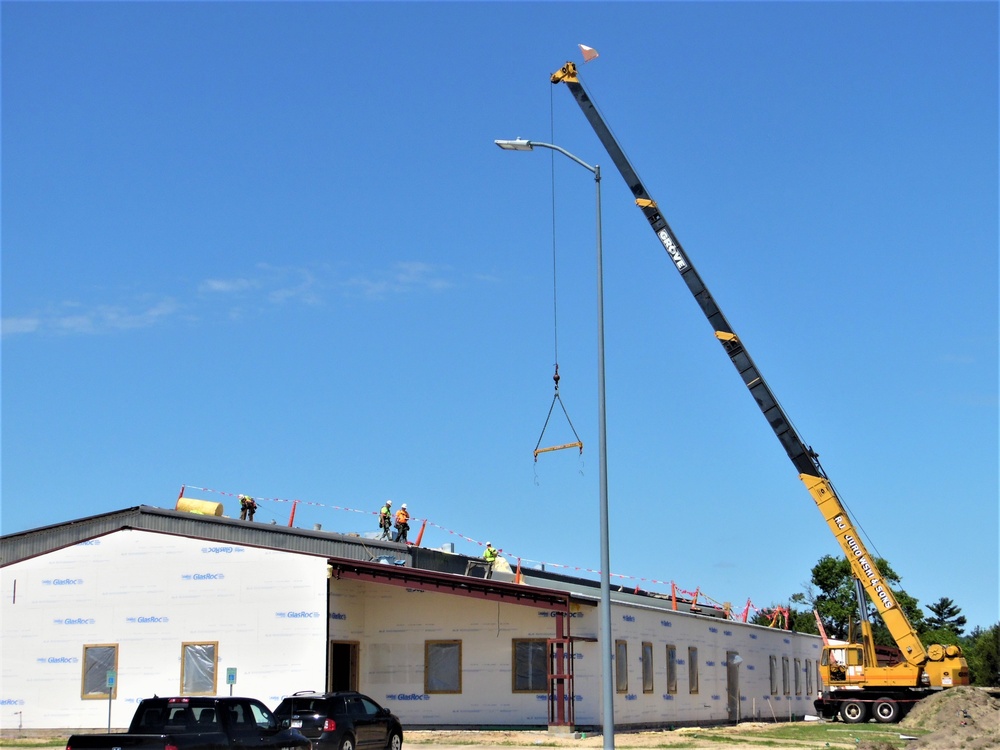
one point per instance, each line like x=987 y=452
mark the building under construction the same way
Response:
x=101 y=612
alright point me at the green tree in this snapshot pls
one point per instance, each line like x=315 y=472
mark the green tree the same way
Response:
x=943 y=636
x=982 y=652
x=946 y=616
x=836 y=601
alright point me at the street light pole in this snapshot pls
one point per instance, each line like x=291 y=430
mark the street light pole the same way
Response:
x=608 y=687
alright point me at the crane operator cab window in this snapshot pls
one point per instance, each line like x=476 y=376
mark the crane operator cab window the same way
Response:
x=844 y=663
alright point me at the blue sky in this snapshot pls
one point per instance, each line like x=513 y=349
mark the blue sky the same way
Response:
x=272 y=249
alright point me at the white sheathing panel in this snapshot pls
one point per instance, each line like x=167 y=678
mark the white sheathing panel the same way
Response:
x=393 y=624
x=149 y=593
x=713 y=639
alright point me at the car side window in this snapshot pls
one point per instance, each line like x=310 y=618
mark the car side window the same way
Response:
x=180 y=720
x=240 y=717
x=152 y=718
x=354 y=707
x=262 y=717
x=338 y=707
x=206 y=718
x=370 y=709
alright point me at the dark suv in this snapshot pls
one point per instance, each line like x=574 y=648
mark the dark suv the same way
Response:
x=344 y=720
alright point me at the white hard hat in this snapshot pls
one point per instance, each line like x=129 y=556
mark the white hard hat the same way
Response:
x=488 y=544
x=388 y=502
x=403 y=505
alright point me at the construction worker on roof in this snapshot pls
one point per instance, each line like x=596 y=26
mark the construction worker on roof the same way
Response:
x=385 y=520
x=248 y=506
x=490 y=555
x=402 y=523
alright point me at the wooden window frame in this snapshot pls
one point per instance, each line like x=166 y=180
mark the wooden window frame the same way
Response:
x=428 y=646
x=215 y=667
x=621 y=666
x=693 y=680
x=671 y=669
x=647 y=667
x=104 y=695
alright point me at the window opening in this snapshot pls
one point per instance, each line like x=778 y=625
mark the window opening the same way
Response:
x=528 y=672
x=98 y=660
x=621 y=666
x=443 y=667
x=671 y=669
x=692 y=669
x=199 y=668
x=647 y=667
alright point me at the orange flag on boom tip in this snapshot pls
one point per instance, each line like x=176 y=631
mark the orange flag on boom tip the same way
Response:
x=589 y=53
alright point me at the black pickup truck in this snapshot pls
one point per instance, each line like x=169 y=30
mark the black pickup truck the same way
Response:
x=197 y=723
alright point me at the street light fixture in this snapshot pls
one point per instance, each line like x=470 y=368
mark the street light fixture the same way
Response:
x=608 y=694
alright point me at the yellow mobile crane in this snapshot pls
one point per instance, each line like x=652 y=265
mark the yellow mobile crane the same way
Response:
x=855 y=685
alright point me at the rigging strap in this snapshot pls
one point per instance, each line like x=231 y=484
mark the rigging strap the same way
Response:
x=555 y=398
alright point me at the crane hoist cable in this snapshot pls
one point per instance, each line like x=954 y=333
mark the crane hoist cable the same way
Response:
x=555 y=317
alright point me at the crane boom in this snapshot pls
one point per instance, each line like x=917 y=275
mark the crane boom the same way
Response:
x=802 y=456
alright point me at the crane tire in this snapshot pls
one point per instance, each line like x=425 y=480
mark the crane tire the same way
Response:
x=886 y=711
x=854 y=712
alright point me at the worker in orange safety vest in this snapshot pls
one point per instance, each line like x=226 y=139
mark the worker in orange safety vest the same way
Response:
x=402 y=523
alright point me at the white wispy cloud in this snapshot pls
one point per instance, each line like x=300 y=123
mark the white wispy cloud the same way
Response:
x=401 y=278
x=23 y=324
x=227 y=286
x=290 y=284
x=75 y=318
x=235 y=298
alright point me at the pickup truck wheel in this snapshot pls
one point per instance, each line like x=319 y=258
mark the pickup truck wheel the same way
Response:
x=347 y=743
x=886 y=710
x=395 y=742
x=853 y=712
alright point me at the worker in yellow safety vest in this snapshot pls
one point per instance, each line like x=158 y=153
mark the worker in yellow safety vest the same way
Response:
x=490 y=553
x=385 y=520
x=248 y=506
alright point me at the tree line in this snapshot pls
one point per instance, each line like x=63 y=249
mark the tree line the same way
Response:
x=830 y=599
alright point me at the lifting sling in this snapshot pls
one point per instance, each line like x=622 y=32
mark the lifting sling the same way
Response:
x=555 y=398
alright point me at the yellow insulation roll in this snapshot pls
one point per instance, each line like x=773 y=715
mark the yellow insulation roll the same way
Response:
x=201 y=507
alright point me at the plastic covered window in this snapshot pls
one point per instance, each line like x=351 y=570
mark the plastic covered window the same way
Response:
x=647 y=667
x=98 y=660
x=530 y=673
x=443 y=667
x=671 y=669
x=621 y=666
x=198 y=668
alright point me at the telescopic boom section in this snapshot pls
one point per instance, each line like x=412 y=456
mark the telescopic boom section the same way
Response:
x=803 y=457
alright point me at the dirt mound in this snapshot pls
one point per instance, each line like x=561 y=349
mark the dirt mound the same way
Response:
x=961 y=717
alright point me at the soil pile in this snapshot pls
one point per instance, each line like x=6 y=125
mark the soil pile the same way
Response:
x=960 y=718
